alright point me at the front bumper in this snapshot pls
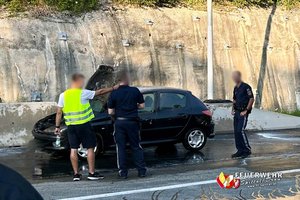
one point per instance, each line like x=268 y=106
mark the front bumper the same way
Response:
x=49 y=139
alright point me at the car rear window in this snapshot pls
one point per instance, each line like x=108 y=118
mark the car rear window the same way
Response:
x=170 y=101
x=195 y=102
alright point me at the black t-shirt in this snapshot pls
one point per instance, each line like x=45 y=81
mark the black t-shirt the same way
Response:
x=242 y=95
x=13 y=186
x=125 y=101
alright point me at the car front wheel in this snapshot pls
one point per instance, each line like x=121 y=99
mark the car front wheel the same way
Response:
x=194 y=140
x=82 y=152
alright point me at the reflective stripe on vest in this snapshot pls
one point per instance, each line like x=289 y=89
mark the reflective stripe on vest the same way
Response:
x=75 y=112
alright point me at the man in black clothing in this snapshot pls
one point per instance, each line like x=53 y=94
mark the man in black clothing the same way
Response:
x=14 y=187
x=243 y=100
x=123 y=105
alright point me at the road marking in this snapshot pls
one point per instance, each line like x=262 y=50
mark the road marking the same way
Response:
x=142 y=190
x=290 y=171
x=153 y=189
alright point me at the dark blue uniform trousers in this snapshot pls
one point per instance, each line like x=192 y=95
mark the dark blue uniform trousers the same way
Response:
x=241 y=139
x=128 y=131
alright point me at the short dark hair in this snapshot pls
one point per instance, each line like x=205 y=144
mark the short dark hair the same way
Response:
x=77 y=76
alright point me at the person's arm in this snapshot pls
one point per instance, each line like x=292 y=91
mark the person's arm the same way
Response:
x=141 y=105
x=233 y=102
x=111 y=111
x=140 y=100
x=105 y=90
x=58 y=120
x=111 y=105
x=250 y=102
x=60 y=105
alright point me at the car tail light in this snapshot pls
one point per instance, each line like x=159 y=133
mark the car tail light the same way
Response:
x=207 y=112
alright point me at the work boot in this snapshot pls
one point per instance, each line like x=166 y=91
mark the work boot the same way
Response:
x=95 y=176
x=77 y=177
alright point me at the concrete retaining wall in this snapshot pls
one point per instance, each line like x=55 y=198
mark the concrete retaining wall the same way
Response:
x=17 y=120
x=258 y=119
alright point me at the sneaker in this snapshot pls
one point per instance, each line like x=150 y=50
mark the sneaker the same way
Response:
x=95 y=176
x=237 y=155
x=77 y=177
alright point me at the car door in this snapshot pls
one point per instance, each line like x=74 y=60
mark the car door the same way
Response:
x=147 y=116
x=172 y=114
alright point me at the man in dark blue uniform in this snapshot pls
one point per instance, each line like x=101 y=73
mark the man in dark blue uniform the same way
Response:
x=243 y=100
x=123 y=105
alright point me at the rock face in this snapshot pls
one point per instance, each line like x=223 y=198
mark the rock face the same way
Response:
x=166 y=47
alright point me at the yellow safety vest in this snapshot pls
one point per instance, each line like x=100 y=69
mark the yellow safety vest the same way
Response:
x=75 y=112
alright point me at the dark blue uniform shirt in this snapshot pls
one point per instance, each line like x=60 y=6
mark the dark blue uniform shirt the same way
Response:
x=125 y=101
x=242 y=95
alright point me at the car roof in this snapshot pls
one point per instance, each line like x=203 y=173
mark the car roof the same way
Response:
x=161 y=89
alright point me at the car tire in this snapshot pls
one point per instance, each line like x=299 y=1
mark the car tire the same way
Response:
x=194 y=140
x=82 y=153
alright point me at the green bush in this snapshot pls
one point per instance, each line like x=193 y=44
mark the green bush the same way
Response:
x=16 y=6
x=74 y=6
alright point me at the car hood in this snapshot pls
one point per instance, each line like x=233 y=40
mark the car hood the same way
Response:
x=103 y=77
x=47 y=124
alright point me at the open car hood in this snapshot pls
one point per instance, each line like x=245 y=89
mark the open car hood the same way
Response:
x=103 y=77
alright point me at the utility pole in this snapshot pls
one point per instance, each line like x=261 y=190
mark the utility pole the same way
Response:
x=210 y=70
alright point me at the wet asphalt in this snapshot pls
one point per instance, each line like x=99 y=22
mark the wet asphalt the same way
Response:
x=50 y=172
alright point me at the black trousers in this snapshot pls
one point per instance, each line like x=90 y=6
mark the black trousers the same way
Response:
x=241 y=139
x=128 y=131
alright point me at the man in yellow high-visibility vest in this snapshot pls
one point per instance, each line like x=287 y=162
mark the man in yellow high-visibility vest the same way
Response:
x=75 y=107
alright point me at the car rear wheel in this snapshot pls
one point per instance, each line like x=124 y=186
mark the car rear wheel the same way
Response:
x=82 y=152
x=194 y=140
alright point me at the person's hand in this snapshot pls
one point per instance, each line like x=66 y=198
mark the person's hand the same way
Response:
x=116 y=87
x=232 y=112
x=244 y=113
x=57 y=131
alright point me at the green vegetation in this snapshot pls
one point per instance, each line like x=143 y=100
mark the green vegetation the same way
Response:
x=200 y=3
x=80 y=6
x=73 y=6
x=294 y=113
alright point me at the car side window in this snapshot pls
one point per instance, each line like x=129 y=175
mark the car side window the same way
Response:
x=97 y=105
x=171 y=101
x=149 y=103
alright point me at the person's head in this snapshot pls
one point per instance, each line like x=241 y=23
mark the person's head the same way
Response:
x=237 y=77
x=124 y=78
x=77 y=80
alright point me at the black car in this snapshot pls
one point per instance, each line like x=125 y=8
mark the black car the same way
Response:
x=170 y=116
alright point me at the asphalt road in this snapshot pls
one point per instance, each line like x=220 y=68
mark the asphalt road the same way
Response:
x=174 y=173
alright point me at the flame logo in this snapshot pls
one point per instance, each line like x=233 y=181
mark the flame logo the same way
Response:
x=228 y=181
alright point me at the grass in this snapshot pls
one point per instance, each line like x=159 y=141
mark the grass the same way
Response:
x=294 y=113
